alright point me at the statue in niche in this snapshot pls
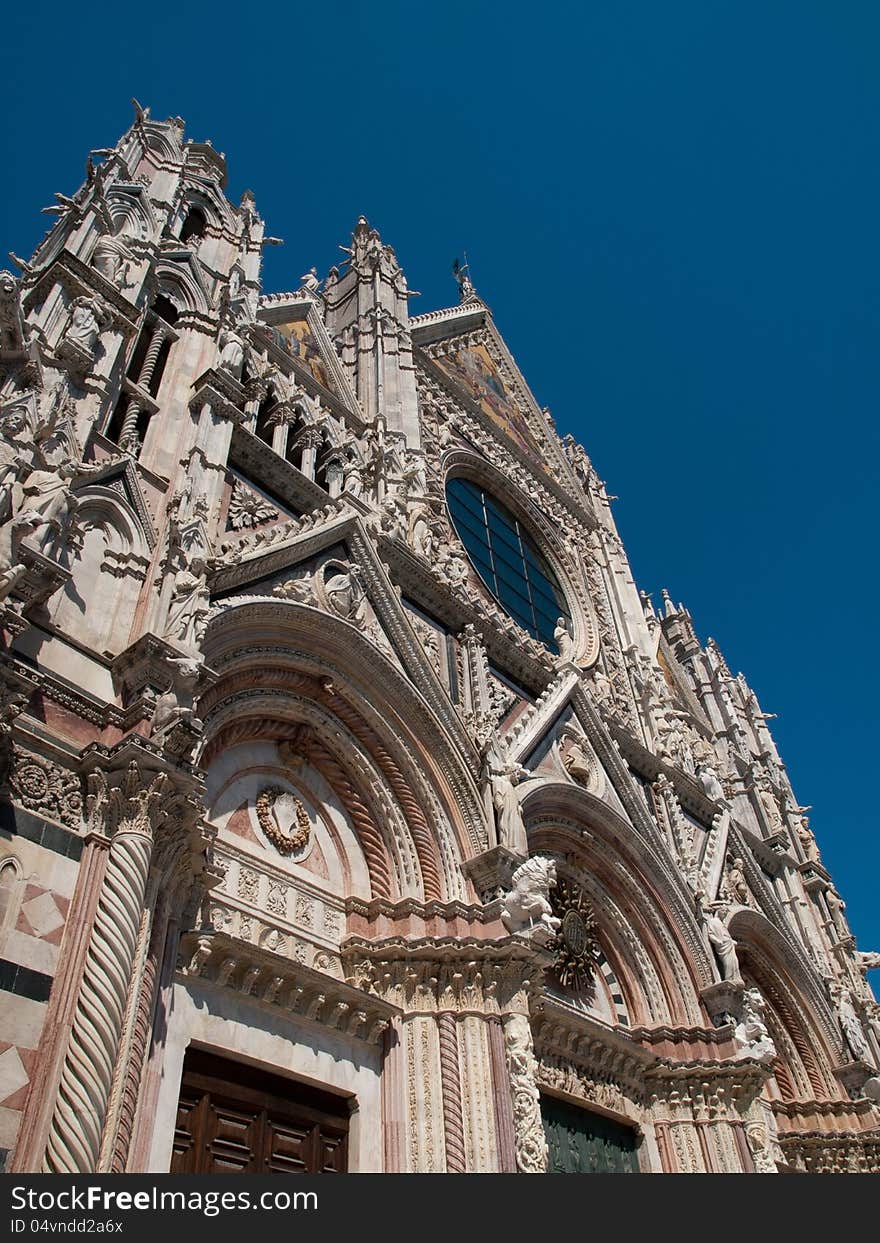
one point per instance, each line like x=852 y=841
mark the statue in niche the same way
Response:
x=564 y=640
x=724 y=945
x=850 y=1023
x=353 y=474
x=391 y=517
x=415 y=480
x=736 y=880
x=16 y=454
x=111 y=259
x=421 y=533
x=527 y=904
x=231 y=352
x=501 y=773
x=87 y=318
x=189 y=606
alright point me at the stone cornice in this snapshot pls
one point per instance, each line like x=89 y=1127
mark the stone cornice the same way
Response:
x=80 y=279
x=430 y=975
x=223 y=961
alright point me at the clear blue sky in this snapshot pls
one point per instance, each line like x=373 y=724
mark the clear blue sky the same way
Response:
x=672 y=210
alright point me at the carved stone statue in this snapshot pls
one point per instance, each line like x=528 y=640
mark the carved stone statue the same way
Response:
x=176 y=704
x=769 y=803
x=736 y=879
x=11 y=319
x=87 y=318
x=707 y=775
x=15 y=456
x=807 y=840
x=189 y=607
x=867 y=960
x=231 y=352
x=836 y=908
x=500 y=773
x=564 y=640
x=724 y=946
x=391 y=518
x=345 y=594
x=352 y=475
x=527 y=905
x=48 y=505
x=751 y=1033
x=850 y=1023
x=577 y=762
x=111 y=258
x=759 y=1146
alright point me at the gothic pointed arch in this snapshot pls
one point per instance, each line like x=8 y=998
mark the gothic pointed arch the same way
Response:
x=651 y=937
x=800 y=1019
x=395 y=768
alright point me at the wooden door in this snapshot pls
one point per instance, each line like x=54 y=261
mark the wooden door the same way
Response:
x=234 y=1119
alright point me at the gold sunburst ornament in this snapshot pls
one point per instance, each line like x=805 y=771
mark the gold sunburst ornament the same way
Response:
x=576 y=945
x=294 y=839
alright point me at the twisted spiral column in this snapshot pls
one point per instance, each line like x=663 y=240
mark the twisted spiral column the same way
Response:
x=450 y=1080
x=128 y=437
x=143 y=1013
x=86 y=1079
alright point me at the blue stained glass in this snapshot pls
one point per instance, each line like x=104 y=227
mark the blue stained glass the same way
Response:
x=507 y=560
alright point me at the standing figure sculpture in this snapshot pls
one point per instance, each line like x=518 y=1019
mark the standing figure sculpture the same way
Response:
x=500 y=773
x=724 y=946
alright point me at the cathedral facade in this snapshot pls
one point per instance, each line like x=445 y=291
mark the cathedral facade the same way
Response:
x=359 y=813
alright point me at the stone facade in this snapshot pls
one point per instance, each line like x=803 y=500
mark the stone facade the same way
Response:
x=286 y=778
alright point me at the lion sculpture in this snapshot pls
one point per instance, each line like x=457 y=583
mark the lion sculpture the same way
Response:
x=526 y=905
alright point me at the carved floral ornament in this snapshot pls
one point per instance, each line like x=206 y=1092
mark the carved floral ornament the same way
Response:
x=576 y=946
x=272 y=802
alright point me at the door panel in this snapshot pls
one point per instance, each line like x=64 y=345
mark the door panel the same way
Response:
x=583 y=1142
x=235 y=1119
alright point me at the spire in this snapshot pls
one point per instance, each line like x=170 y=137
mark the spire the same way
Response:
x=368 y=316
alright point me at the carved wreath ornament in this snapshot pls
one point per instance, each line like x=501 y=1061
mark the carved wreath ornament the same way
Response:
x=296 y=838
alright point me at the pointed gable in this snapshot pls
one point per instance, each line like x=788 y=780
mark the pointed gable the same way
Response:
x=463 y=350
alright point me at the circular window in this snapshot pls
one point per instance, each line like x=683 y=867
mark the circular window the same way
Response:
x=507 y=560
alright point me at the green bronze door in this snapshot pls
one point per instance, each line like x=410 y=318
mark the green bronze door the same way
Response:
x=582 y=1142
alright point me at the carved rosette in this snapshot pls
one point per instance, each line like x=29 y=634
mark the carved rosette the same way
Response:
x=46 y=789
x=531 y=1143
x=126 y=806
